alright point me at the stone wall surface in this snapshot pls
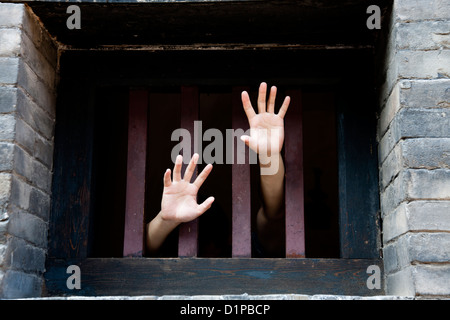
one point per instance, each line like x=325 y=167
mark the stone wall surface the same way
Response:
x=414 y=149
x=28 y=63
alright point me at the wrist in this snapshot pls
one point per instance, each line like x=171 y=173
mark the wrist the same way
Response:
x=267 y=160
x=164 y=222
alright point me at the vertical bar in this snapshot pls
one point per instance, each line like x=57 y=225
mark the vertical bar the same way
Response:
x=358 y=181
x=72 y=189
x=294 y=189
x=188 y=232
x=135 y=191
x=241 y=204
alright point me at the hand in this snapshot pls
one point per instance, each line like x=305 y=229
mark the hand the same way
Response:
x=266 y=128
x=179 y=200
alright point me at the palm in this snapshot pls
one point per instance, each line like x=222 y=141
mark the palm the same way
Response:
x=266 y=133
x=266 y=127
x=180 y=201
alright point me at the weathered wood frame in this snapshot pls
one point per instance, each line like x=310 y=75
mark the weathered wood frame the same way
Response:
x=147 y=276
x=196 y=276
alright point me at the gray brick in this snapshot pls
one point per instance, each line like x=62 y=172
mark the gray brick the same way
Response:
x=429 y=247
x=22 y=256
x=7 y=126
x=10 y=42
x=11 y=14
x=42 y=94
x=10 y=70
x=17 y=284
x=414 y=248
x=423 y=64
x=417 y=153
x=415 y=123
x=427 y=153
x=428 y=184
x=25 y=136
x=40 y=37
x=8 y=99
x=394 y=194
x=5 y=190
x=33 y=143
x=391 y=167
x=414 y=65
x=412 y=10
x=32 y=114
x=23 y=163
x=417 y=216
x=6 y=156
x=41 y=176
x=425 y=93
x=44 y=151
x=39 y=204
x=429 y=215
x=390 y=258
x=37 y=62
x=27 y=226
x=389 y=110
x=396 y=224
x=20 y=193
x=416 y=184
x=423 y=35
x=401 y=283
x=431 y=279
x=414 y=94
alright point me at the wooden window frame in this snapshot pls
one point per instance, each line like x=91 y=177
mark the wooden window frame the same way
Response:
x=191 y=276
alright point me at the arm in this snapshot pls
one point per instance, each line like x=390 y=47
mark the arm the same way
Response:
x=179 y=202
x=267 y=138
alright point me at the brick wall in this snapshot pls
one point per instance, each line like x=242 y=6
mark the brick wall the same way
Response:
x=414 y=149
x=28 y=63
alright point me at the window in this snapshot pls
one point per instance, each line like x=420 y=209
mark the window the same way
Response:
x=95 y=156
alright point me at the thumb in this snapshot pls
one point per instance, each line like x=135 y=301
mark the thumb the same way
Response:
x=205 y=205
x=250 y=142
x=246 y=140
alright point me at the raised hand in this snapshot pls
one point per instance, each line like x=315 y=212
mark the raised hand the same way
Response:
x=266 y=128
x=266 y=139
x=179 y=200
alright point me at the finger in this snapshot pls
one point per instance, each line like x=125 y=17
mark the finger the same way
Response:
x=272 y=97
x=177 y=168
x=245 y=139
x=249 y=142
x=248 y=108
x=205 y=205
x=167 y=180
x=284 y=107
x=202 y=176
x=191 y=168
x=262 y=98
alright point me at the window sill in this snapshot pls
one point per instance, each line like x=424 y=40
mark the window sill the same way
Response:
x=219 y=276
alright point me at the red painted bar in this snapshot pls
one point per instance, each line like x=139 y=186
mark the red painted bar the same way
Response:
x=188 y=232
x=241 y=203
x=294 y=189
x=135 y=190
